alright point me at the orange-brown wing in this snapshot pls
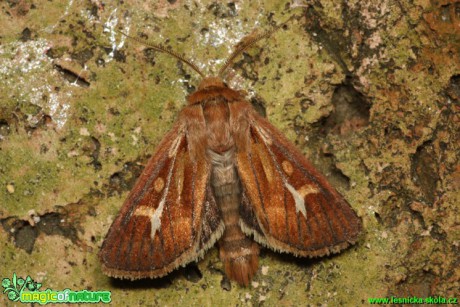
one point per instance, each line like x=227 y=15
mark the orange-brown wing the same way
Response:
x=164 y=222
x=287 y=204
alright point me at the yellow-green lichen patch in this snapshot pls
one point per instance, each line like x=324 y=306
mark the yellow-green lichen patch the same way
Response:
x=33 y=183
x=292 y=55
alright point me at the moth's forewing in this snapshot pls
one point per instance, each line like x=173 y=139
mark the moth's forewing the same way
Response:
x=160 y=226
x=294 y=208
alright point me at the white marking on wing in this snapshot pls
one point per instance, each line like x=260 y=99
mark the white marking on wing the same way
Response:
x=298 y=198
x=264 y=136
x=153 y=215
x=175 y=145
x=155 y=219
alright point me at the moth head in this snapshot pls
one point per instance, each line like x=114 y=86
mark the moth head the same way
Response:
x=211 y=82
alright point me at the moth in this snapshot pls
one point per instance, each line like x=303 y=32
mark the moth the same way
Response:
x=224 y=175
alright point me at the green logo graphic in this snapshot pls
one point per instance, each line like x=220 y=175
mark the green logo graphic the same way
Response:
x=27 y=291
x=14 y=287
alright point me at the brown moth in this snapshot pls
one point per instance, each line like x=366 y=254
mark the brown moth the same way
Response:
x=224 y=174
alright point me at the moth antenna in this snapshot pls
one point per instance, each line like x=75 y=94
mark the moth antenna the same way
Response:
x=248 y=44
x=160 y=48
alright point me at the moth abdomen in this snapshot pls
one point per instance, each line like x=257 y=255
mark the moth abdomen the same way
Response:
x=239 y=253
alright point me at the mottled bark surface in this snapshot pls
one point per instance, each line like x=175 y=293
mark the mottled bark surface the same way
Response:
x=368 y=90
